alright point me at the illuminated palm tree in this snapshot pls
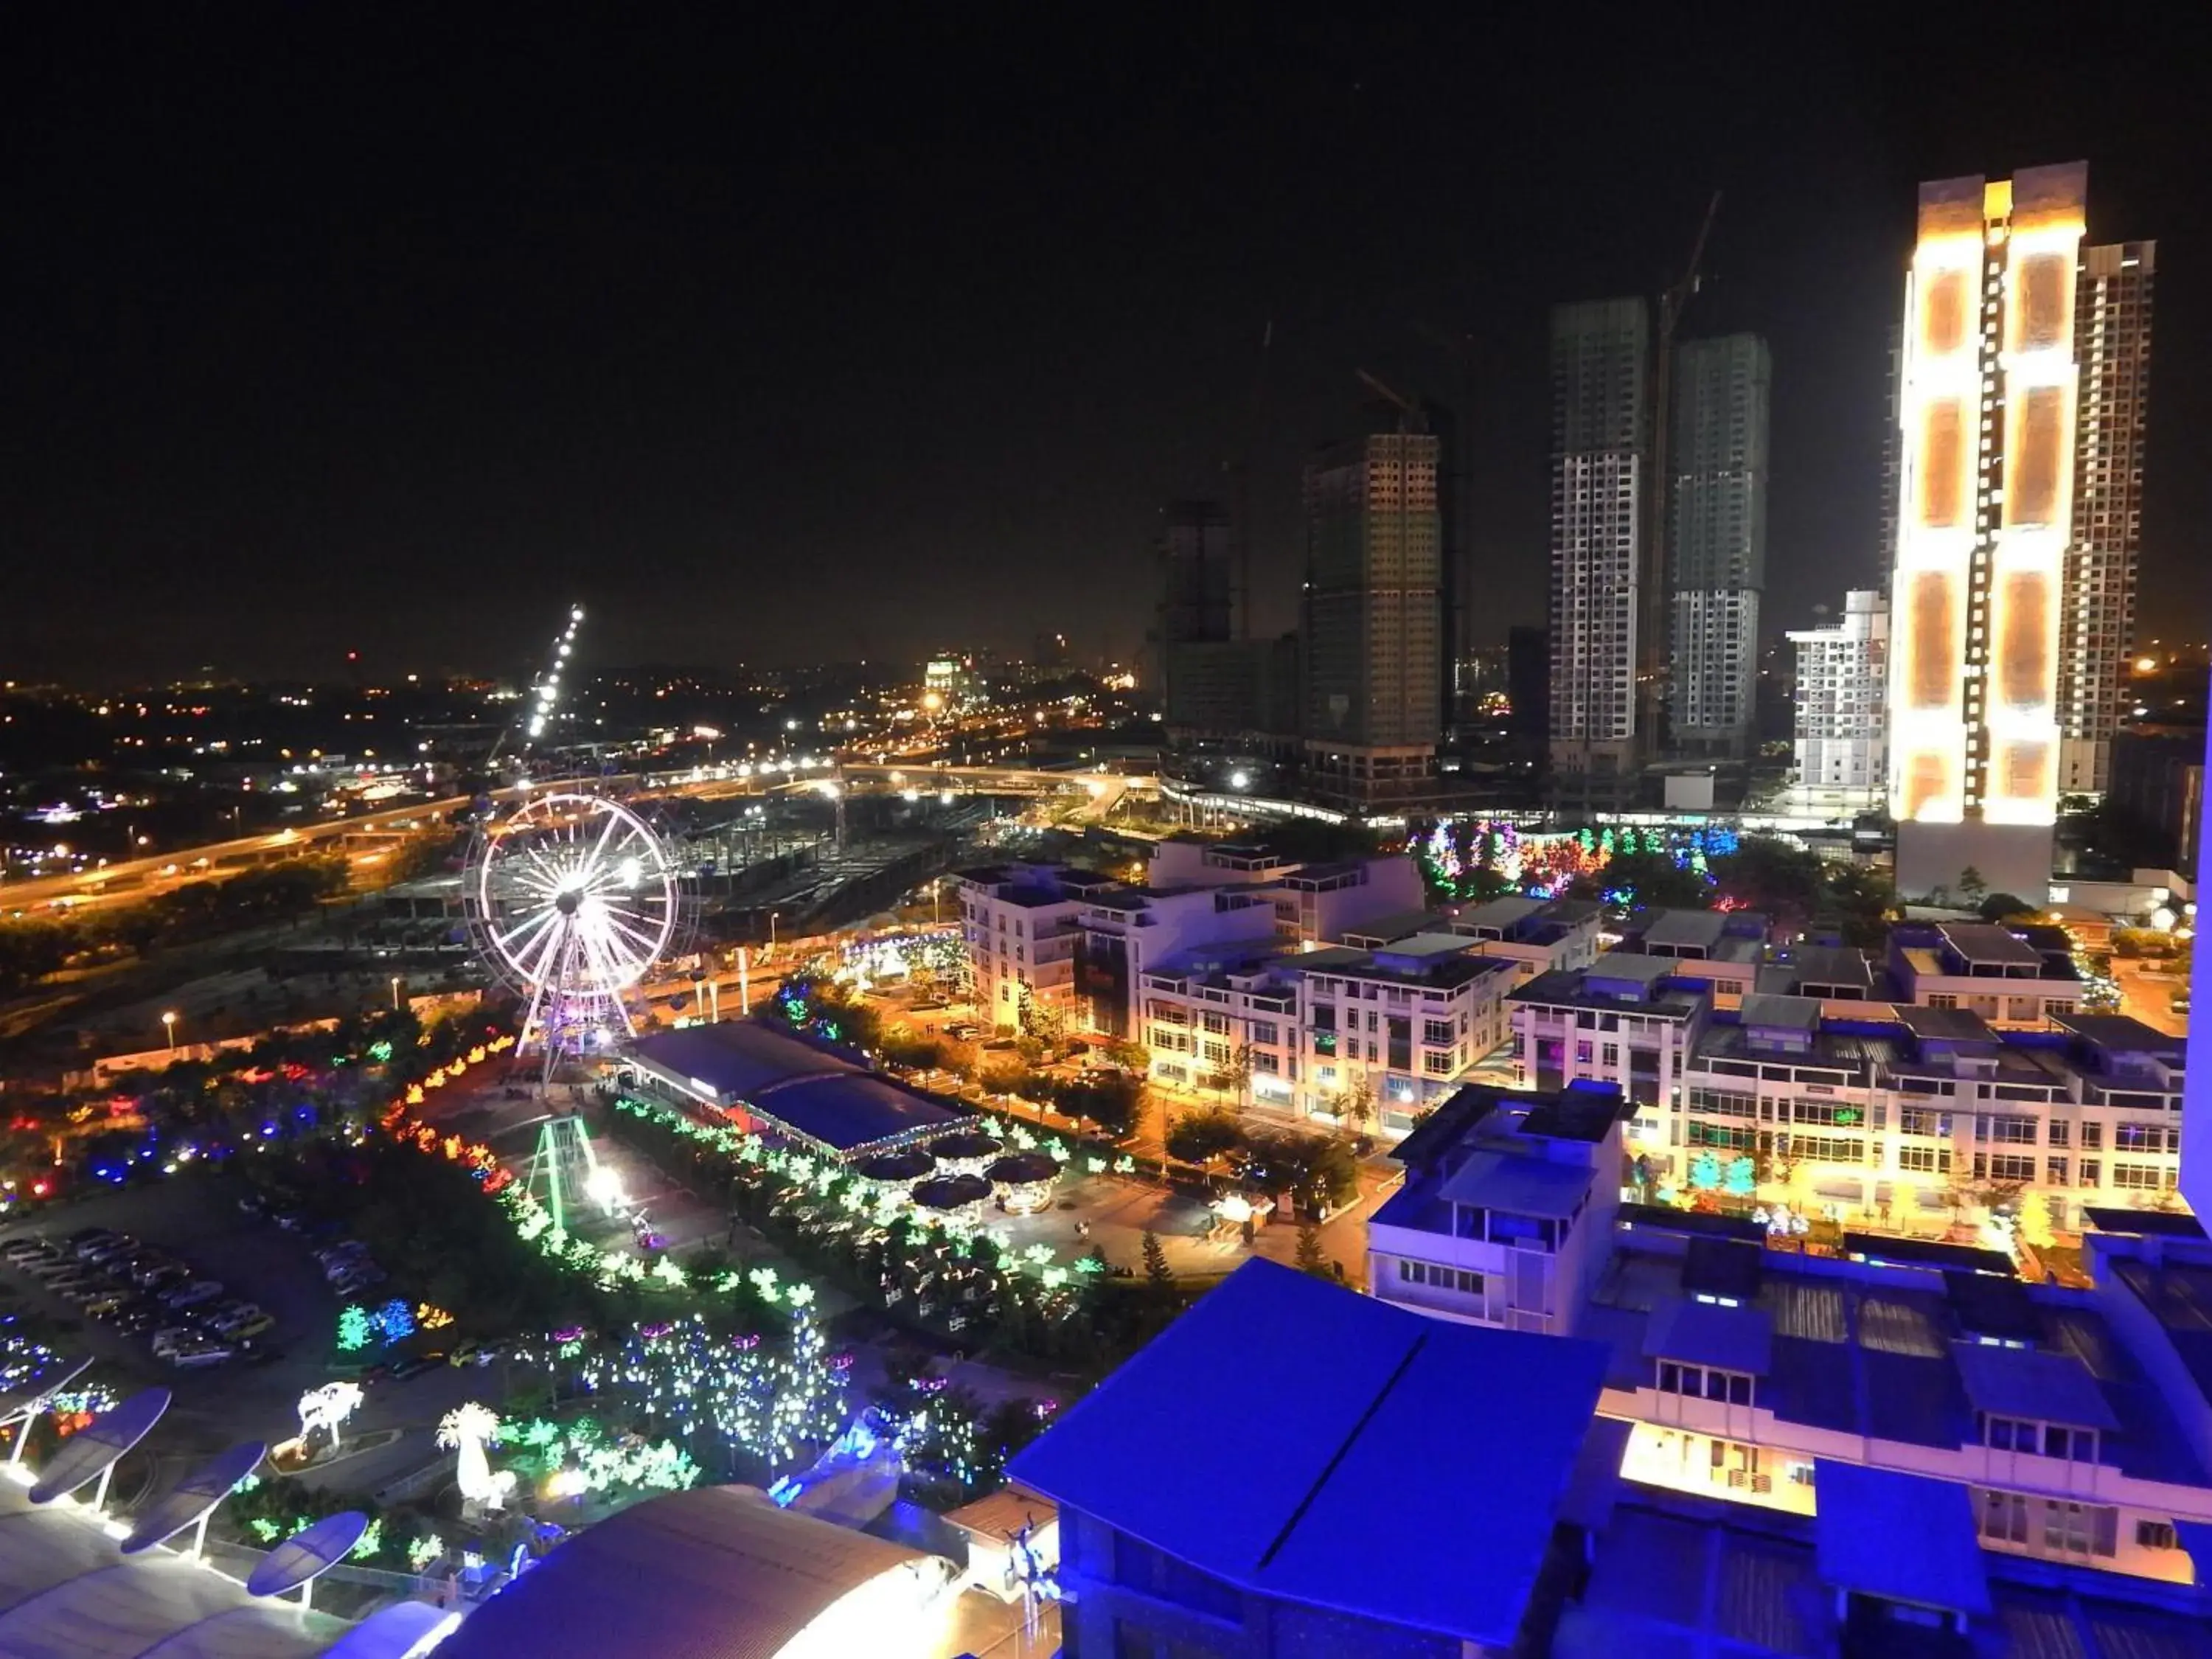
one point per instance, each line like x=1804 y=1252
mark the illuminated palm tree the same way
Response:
x=469 y=1429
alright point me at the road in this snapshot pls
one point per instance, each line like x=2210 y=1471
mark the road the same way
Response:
x=2148 y=996
x=135 y=880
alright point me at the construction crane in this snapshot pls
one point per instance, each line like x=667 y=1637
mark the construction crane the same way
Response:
x=1654 y=645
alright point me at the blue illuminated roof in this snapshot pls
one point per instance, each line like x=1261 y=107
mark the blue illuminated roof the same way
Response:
x=2026 y=1383
x=737 y=1057
x=846 y=1112
x=812 y=1091
x=1739 y=1339
x=1901 y=1537
x=1366 y=1415
x=1519 y=1186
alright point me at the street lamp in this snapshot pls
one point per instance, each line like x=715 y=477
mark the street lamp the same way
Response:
x=395 y=993
x=169 y=1029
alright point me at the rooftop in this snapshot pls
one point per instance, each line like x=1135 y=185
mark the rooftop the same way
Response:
x=1518 y=1186
x=713 y=1570
x=1581 y=1111
x=1946 y=1024
x=1986 y=944
x=2121 y=1034
x=1501 y=914
x=1678 y=1576
x=1825 y=965
x=1879 y=1352
x=1434 y=966
x=824 y=1095
x=1616 y=981
x=1363 y=1399
x=1404 y=924
x=2024 y=1382
x=1732 y=1339
x=1788 y=1013
x=1901 y=1537
x=2178 y=1295
x=1687 y=927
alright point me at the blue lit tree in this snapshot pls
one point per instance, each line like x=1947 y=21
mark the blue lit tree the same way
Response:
x=1743 y=1179
x=1705 y=1172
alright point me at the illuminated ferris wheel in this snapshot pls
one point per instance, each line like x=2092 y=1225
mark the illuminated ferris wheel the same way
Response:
x=571 y=899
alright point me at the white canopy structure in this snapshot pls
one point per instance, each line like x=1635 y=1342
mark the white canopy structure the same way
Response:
x=718 y=1571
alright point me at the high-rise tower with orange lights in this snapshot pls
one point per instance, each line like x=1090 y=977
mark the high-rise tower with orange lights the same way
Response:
x=1989 y=410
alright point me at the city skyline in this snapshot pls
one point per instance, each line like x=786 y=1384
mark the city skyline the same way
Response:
x=465 y=333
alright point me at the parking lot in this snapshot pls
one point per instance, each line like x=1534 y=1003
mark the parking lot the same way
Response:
x=196 y=1219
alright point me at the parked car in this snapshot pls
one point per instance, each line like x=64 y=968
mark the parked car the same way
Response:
x=200 y=1354
x=259 y=1325
x=415 y=1364
x=252 y=1204
x=363 y=1279
x=192 y=1295
x=290 y=1220
x=169 y=1338
x=108 y=1249
x=232 y=1313
x=22 y=1249
x=51 y=1267
x=93 y=1242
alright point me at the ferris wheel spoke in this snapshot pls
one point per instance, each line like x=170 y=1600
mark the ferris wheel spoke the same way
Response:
x=538 y=920
x=645 y=942
x=590 y=864
x=605 y=972
x=550 y=951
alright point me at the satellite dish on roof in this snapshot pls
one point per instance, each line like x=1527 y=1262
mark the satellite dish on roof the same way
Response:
x=194 y=1497
x=91 y=1451
x=307 y=1554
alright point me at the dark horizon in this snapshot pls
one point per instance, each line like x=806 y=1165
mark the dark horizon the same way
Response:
x=874 y=336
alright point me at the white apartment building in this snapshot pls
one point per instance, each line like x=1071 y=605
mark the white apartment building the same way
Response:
x=1900 y=1120
x=1842 y=746
x=1537 y=936
x=1079 y=942
x=1726 y=950
x=1314 y=903
x=1406 y=1019
x=1019 y=923
x=1507 y=1211
x=1626 y=1020
x=2018 y=978
x=1203 y=1017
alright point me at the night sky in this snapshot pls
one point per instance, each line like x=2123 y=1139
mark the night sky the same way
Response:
x=819 y=332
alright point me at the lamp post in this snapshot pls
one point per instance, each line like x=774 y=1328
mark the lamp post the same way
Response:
x=169 y=1029
x=395 y=993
